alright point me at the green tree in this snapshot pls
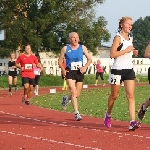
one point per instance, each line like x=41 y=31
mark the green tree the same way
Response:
x=141 y=34
x=46 y=24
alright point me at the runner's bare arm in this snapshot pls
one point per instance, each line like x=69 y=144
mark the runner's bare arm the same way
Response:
x=147 y=51
x=41 y=67
x=61 y=57
x=135 y=52
x=87 y=55
x=38 y=65
x=18 y=63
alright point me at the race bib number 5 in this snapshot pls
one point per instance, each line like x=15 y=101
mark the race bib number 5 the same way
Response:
x=28 y=66
x=76 y=65
x=114 y=79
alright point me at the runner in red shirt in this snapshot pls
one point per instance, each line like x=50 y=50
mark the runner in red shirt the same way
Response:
x=25 y=62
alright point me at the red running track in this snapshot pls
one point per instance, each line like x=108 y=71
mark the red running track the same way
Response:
x=34 y=128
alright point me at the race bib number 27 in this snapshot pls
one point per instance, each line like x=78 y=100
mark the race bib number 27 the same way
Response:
x=114 y=79
x=76 y=65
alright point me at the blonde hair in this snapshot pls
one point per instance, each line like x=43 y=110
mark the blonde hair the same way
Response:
x=122 y=20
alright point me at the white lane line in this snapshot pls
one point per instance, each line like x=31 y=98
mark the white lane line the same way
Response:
x=49 y=140
x=85 y=128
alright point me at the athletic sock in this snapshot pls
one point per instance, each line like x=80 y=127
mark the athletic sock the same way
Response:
x=10 y=86
x=76 y=112
x=108 y=115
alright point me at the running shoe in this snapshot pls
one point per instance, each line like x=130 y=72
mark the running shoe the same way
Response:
x=141 y=113
x=27 y=102
x=78 y=117
x=36 y=93
x=16 y=89
x=65 y=102
x=134 y=125
x=10 y=93
x=23 y=99
x=107 y=121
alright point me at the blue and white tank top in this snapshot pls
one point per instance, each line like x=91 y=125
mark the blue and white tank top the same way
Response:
x=74 y=58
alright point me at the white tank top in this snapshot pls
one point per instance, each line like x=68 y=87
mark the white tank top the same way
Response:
x=123 y=61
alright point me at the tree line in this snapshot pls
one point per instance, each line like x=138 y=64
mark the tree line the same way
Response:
x=46 y=24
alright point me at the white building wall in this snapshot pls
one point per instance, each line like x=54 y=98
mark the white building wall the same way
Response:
x=141 y=65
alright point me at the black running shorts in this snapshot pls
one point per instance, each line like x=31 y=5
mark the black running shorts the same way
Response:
x=26 y=80
x=149 y=75
x=74 y=75
x=12 y=73
x=117 y=76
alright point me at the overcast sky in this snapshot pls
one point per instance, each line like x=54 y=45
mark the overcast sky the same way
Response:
x=113 y=10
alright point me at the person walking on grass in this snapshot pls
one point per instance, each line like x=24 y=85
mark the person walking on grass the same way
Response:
x=122 y=70
x=12 y=73
x=25 y=63
x=74 y=72
x=99 y=72
x=144 y=106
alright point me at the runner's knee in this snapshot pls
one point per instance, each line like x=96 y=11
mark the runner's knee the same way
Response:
x=26 y=86
x=74 y=92
x=130 y=96
x=114 y=96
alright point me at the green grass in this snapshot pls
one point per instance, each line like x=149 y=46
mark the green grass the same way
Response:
x=94 y=102
x=57 y=80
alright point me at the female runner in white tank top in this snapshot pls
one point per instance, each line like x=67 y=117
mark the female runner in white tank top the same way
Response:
x=122 y=70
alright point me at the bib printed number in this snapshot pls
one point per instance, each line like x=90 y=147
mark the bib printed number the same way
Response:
x=28 y=66
x=76 y=65
x=114 y=79
x=11 y=69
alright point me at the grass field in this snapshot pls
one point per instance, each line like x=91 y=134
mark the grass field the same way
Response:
x=94 y=102
x=46 y=81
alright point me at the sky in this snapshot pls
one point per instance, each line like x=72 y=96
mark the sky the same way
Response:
x=113 y=10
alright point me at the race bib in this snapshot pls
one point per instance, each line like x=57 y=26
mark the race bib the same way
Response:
x=11 y=69
x=36 y=72
x=114 y=79
x=28 y=66
x=76 y=65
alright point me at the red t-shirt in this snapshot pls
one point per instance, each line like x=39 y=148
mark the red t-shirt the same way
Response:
x=27 y=63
